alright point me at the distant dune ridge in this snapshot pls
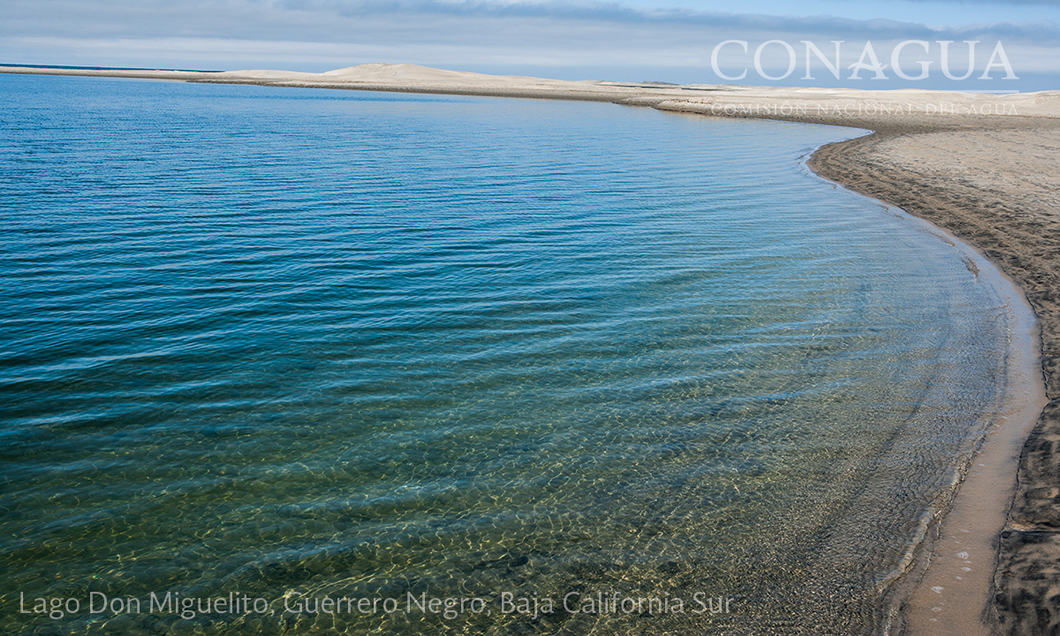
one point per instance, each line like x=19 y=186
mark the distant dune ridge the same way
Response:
x=720 y=99
x=413 y=72
x=983 y=167
x=836 y=105
x=379 y=73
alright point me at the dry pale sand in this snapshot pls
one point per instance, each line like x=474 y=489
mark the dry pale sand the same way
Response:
x=982 y=167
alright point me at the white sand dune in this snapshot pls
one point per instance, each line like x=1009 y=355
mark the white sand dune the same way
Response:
x=838 y=106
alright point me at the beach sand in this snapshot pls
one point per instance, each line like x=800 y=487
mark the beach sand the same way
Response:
x=990 y=183
x=983 y=168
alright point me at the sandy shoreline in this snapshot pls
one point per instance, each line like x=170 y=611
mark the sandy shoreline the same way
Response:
x=982 y=167
x=993 y=188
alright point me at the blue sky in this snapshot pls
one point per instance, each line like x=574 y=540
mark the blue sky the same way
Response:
x=631 y=40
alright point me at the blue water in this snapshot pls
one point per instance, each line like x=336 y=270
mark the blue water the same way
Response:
x=304 y=346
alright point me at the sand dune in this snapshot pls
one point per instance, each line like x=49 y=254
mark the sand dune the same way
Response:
x=839 y=106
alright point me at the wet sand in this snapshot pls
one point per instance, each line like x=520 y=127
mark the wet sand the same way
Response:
x=982 y=167
x=990 y=185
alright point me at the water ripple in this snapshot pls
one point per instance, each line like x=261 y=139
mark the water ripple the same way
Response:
x=275 y=341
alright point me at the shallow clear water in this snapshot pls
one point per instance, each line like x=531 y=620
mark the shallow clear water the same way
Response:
x=305 y=345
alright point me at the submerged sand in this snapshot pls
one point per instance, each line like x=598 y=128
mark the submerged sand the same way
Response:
x=994 y=185
x=982 y=167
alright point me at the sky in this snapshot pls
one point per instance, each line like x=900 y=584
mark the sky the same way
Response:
x=750 y=42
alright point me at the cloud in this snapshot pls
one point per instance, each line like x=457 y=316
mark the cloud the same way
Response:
x=568 y=40
x=333 y=20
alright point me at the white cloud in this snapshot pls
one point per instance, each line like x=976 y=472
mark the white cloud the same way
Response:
x=573 y=41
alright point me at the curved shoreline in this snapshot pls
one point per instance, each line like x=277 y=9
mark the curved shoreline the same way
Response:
x=942 y=576
x=950 y=566
x=1029 y=543
x=980 y=167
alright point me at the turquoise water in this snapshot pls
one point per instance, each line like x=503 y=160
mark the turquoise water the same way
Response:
x=301 y=346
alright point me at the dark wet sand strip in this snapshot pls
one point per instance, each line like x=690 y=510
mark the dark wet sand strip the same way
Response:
x=988 y=183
